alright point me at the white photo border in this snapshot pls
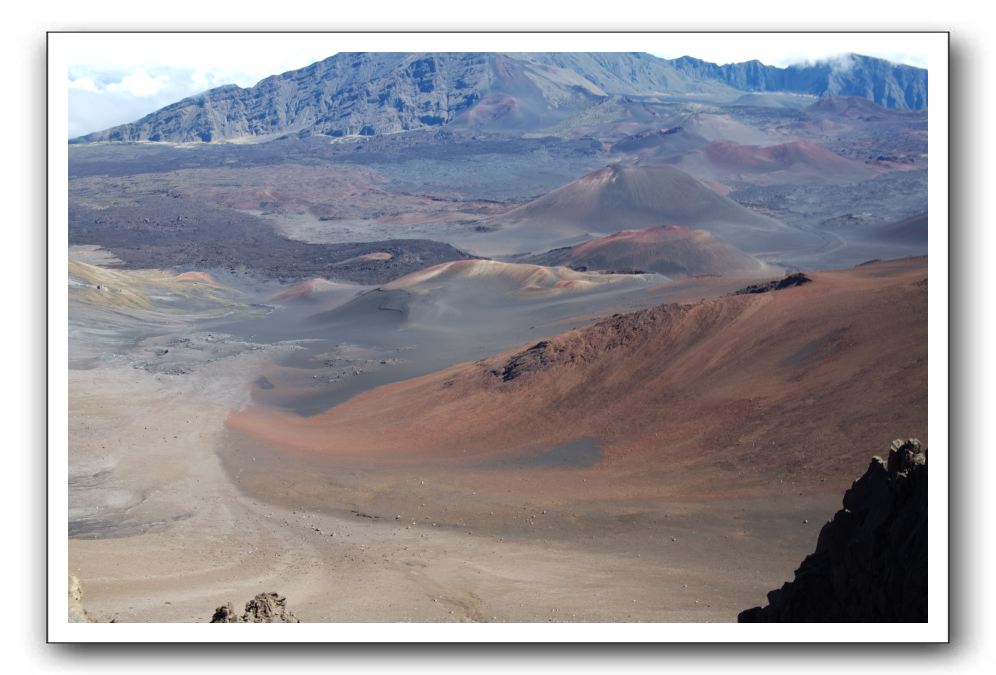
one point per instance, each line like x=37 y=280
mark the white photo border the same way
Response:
x=936 y=629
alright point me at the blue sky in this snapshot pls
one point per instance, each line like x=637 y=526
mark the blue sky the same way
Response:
x=117 y=79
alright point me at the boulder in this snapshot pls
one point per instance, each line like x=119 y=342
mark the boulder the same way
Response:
x=264 y=608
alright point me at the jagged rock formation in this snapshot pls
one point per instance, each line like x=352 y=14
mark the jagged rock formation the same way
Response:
x=368 y=94
x=533 y=358
x=870 y=562
x=264 y=608
x=788 y=281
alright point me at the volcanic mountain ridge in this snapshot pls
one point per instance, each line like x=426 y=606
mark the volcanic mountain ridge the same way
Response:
x=368 y=94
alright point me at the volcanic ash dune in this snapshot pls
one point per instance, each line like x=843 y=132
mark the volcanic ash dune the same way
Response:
x=673 y=251
x=758 y=381
x=618 y=198
x=494 y=279
x=450 y=294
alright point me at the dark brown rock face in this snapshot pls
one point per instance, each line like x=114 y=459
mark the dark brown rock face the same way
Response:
x=870 y=562
x=264 y=608
x=796 y=279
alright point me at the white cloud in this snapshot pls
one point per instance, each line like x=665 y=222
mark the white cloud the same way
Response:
x=83 y=84
x=141 y=84
x=199 y=78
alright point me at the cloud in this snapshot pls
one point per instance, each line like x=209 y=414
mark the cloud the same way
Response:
x=141 y=84
x=101 y=97
x=100 y=100
x=838 y=62
x=138 y=83
x=786 y=49
x=83 y=84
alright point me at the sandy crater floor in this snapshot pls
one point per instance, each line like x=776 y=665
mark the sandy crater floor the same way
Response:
x=179 y=536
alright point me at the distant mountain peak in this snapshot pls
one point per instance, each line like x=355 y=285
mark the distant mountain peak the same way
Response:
x=366 y=94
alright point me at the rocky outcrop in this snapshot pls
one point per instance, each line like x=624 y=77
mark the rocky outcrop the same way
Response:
x=582 y=347
x=264 y=608
x=870 y=562
x=790 y=280
x=535 y=358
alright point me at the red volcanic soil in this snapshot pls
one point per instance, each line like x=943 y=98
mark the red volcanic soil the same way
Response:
x=801 y=381
x=672 y=250
x=196 y=277
x=491 y=108
x=796 y=161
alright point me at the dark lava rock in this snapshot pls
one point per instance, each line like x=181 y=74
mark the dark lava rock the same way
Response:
x=264 y=608
x=797 y=279
x=536 y=357
x=209 y=236
x=870 y=562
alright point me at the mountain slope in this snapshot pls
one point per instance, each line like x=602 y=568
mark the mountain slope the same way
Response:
x=784 y=163
x=763 y=384
x=912 y=230
x=889 y=84
x=378 y=93
x=636 y=197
